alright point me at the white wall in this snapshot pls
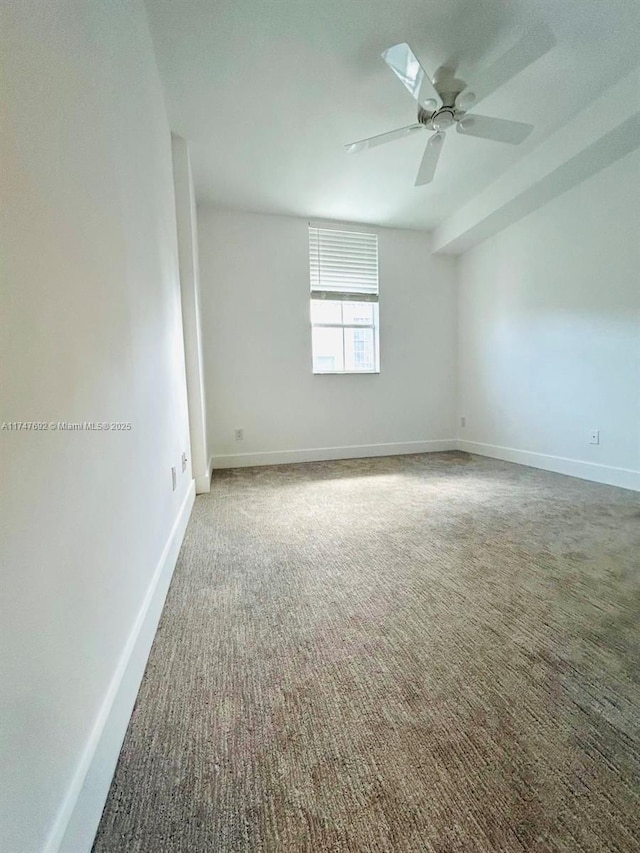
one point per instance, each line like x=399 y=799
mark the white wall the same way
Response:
x=91 y=332
x=549 y=332
x=257 y=347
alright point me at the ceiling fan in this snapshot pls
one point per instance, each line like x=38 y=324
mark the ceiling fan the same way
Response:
x=444 y=101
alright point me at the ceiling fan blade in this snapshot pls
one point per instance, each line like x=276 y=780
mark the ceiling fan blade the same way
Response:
x=405 y=65
x=497 y=129
x=382 y=138
x=430 y=159
x=531 y=46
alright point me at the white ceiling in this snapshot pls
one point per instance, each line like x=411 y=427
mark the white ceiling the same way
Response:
x=267 y=92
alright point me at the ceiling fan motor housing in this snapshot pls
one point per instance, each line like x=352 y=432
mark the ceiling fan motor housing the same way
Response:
x=448 y=88
x=424 y=116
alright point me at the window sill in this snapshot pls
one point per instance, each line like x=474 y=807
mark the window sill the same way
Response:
x=346 y=373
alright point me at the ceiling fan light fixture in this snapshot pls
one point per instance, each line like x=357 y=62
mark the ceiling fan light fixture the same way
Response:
x=442 y=120
x=465 y=100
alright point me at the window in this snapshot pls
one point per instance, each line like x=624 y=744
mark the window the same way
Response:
x=344 y=301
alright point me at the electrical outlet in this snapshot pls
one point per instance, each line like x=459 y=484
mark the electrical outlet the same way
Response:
x=174 y=478
x=184 y=462
x=594 y=436
x=463 y=421
x=239 y=435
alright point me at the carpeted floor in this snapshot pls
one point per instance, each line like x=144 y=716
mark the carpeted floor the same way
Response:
x=417 y=653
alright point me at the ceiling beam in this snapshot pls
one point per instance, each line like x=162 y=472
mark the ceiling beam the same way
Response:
x=604 y=132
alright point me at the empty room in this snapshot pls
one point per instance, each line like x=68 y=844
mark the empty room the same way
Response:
x=320 y=426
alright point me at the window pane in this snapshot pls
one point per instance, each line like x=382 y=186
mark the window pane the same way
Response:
x=358 y=312
x=359 y=349
x=327 y=349
x=325 y=311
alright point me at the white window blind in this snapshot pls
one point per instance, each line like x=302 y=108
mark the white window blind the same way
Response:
x=343 y=265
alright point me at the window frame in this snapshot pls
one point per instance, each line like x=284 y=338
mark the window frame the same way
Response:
x=344 y=296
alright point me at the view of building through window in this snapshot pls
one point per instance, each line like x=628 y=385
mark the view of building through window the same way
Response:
x=344 y=336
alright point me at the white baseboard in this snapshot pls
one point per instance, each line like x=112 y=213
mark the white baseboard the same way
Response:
x=320 y=454
x=203 y=484
x=625 y=478
x=76 y=823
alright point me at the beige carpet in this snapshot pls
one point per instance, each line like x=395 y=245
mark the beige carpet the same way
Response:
x=421 y=653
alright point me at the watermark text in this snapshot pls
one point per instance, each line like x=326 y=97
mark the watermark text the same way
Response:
x=65 y=426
